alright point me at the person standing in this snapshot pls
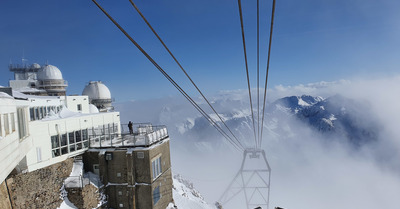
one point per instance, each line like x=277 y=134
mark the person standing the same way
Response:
x=130 y=127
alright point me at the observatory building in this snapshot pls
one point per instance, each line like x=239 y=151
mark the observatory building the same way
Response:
x=34 y=79
x=99 y=95
x=40 y=127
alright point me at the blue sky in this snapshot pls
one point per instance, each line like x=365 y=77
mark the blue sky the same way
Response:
x=313 y=41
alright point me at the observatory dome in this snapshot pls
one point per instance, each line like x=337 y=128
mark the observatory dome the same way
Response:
x=96 y=90
x=49 y=72
x=35 y=65
x=93 y=109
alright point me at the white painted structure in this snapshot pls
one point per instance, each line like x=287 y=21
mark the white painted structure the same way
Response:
x=15 y=140
x=38 y=131
x=99 y=95
x=38 y=80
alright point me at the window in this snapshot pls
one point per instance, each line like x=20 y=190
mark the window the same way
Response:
x=140 y=155
x=156 y=195
x=79 y=107
x=1 y=128
x=63 y=139
x=54 y=142
x=119 y=193
x=78 y=136
x=32 y=113
x=22 y=123
x=6 y=124
x=39 y=154
x=12 y=115
x=156 y=165
x=36 y=113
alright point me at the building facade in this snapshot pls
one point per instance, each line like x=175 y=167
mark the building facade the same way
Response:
x=136 y=174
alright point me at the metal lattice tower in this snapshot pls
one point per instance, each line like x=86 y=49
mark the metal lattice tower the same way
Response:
x=251 y=185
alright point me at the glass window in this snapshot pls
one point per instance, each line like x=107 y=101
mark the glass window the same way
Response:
x=72 y=148
x=86 y=144
x=63 y=139
x=71 y=137
x=54 y=142
x=156 y=167
x=36 y=113
x=6 y=124
x=64 y=150
x=1 y=128
x=12 y=115
x=78 y=136
x=156 y=195
x=84 y=134
x=32 y=113
x=78 y=146
x=56 y=152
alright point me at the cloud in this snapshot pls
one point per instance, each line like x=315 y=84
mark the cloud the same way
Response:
x=309 y=170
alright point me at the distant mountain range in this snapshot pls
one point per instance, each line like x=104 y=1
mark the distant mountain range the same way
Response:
x=335 y=117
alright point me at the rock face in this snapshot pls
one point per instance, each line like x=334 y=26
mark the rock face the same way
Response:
x=86 y=198
x=40 y=188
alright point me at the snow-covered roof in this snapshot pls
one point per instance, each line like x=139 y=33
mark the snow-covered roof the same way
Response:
x=97 y=90
x=49 y=72
x=5 y=95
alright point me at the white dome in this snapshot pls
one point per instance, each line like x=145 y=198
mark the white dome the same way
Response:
x=35 y=65
x=49 y=72
x=97 y=90
x=93 y=109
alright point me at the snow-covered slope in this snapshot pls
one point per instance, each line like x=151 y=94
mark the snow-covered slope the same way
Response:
x=186 y=196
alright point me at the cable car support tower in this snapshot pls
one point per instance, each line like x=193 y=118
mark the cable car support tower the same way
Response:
x=253 y=179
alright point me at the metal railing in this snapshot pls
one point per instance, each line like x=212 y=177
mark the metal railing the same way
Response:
x=142 y=135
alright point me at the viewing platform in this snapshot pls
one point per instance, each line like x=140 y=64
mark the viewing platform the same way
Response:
x=143 y=135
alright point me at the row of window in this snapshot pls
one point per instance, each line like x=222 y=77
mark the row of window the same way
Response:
x=76 y=140
x=37 y=113
x=66 y=143
x=8 y=124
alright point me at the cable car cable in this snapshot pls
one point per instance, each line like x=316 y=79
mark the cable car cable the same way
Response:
x=183 y=70
x=240 y=148
x=247 y=68
x=266 y=76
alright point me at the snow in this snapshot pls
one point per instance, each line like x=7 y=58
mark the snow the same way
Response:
x=75 y=178
x=5 y=95
x=186 y=196
x=66 y=204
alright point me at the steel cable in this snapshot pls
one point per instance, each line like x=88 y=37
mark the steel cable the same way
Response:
x=183 y=70
x=247 y=69
x=266 y=76
x=209 y=119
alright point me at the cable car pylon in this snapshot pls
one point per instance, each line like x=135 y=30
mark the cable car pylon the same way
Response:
x=251 y=185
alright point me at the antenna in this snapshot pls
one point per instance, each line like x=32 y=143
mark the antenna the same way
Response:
x=23 y=57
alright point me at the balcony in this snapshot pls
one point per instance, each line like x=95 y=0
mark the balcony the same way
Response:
x=143 y=135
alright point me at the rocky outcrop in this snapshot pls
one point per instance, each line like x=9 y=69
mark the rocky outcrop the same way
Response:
x=40 y=188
